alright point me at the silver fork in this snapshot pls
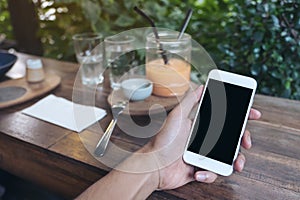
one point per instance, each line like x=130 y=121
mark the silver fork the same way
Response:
x=116 y=110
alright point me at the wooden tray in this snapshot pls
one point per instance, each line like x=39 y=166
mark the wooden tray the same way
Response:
x=154 y=103
x=13 y=92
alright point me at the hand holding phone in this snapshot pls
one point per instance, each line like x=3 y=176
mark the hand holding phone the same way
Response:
x=220 y=122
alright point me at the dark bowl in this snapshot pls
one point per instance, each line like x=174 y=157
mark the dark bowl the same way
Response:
x=7 y=60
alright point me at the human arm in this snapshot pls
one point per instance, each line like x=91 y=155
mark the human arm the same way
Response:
x=163 y=154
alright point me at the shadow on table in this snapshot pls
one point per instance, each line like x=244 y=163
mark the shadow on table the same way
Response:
x=14 y=188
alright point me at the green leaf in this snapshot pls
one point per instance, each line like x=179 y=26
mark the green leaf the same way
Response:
x=275 y=21
x=124 y=21
x=286 y=93
x=288 y=83
x=91 y=10
x=130 y=4
x=255 y=69
x=276 y=74
x=266 y=90
x=258 y=36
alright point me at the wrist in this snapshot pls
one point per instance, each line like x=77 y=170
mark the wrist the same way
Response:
x=147 y=159
x=129 y=180
x=143 y=171
x=151 y=160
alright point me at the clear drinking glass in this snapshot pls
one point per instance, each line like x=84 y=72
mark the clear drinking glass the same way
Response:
x=89 y=54
x=171 y=78
x=120 y=57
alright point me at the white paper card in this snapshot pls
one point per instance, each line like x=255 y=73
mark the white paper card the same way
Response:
x=65 y=113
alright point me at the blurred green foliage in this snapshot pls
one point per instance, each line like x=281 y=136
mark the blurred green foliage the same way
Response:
x=5 y=26
x=257 y=38
x=263 y=40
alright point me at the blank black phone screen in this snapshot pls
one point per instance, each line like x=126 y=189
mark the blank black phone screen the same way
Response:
x=220 y=121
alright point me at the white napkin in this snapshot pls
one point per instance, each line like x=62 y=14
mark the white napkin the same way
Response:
x=65 y=113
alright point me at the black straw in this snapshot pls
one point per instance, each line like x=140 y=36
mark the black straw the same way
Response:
x=185 y=23
x=163 y=52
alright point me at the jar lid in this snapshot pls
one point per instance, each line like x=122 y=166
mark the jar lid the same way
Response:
x=34 y=63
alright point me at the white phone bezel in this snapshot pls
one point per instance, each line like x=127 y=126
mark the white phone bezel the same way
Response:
x=208 y=163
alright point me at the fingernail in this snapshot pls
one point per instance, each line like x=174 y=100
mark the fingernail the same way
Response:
x=201 y=177
x=249 y=139
x=241 y=162
x=258 y=114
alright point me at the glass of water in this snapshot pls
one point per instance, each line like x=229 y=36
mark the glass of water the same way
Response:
x=120 y=56
x=89 y=54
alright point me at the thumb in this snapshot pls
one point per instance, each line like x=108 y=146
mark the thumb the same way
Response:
x=205 y=176
x=188 y=102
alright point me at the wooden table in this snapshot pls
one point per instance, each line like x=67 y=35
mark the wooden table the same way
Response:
x=56 y=158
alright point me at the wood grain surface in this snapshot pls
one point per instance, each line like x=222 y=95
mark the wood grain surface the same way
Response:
x=32 y=90
x=151 y=105
x=59 y=159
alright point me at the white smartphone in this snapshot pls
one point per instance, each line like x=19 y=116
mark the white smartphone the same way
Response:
x=220 y=122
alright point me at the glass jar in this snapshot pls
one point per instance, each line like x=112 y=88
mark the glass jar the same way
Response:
x=120 y=57
x=170 y=76
x=34 y=71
